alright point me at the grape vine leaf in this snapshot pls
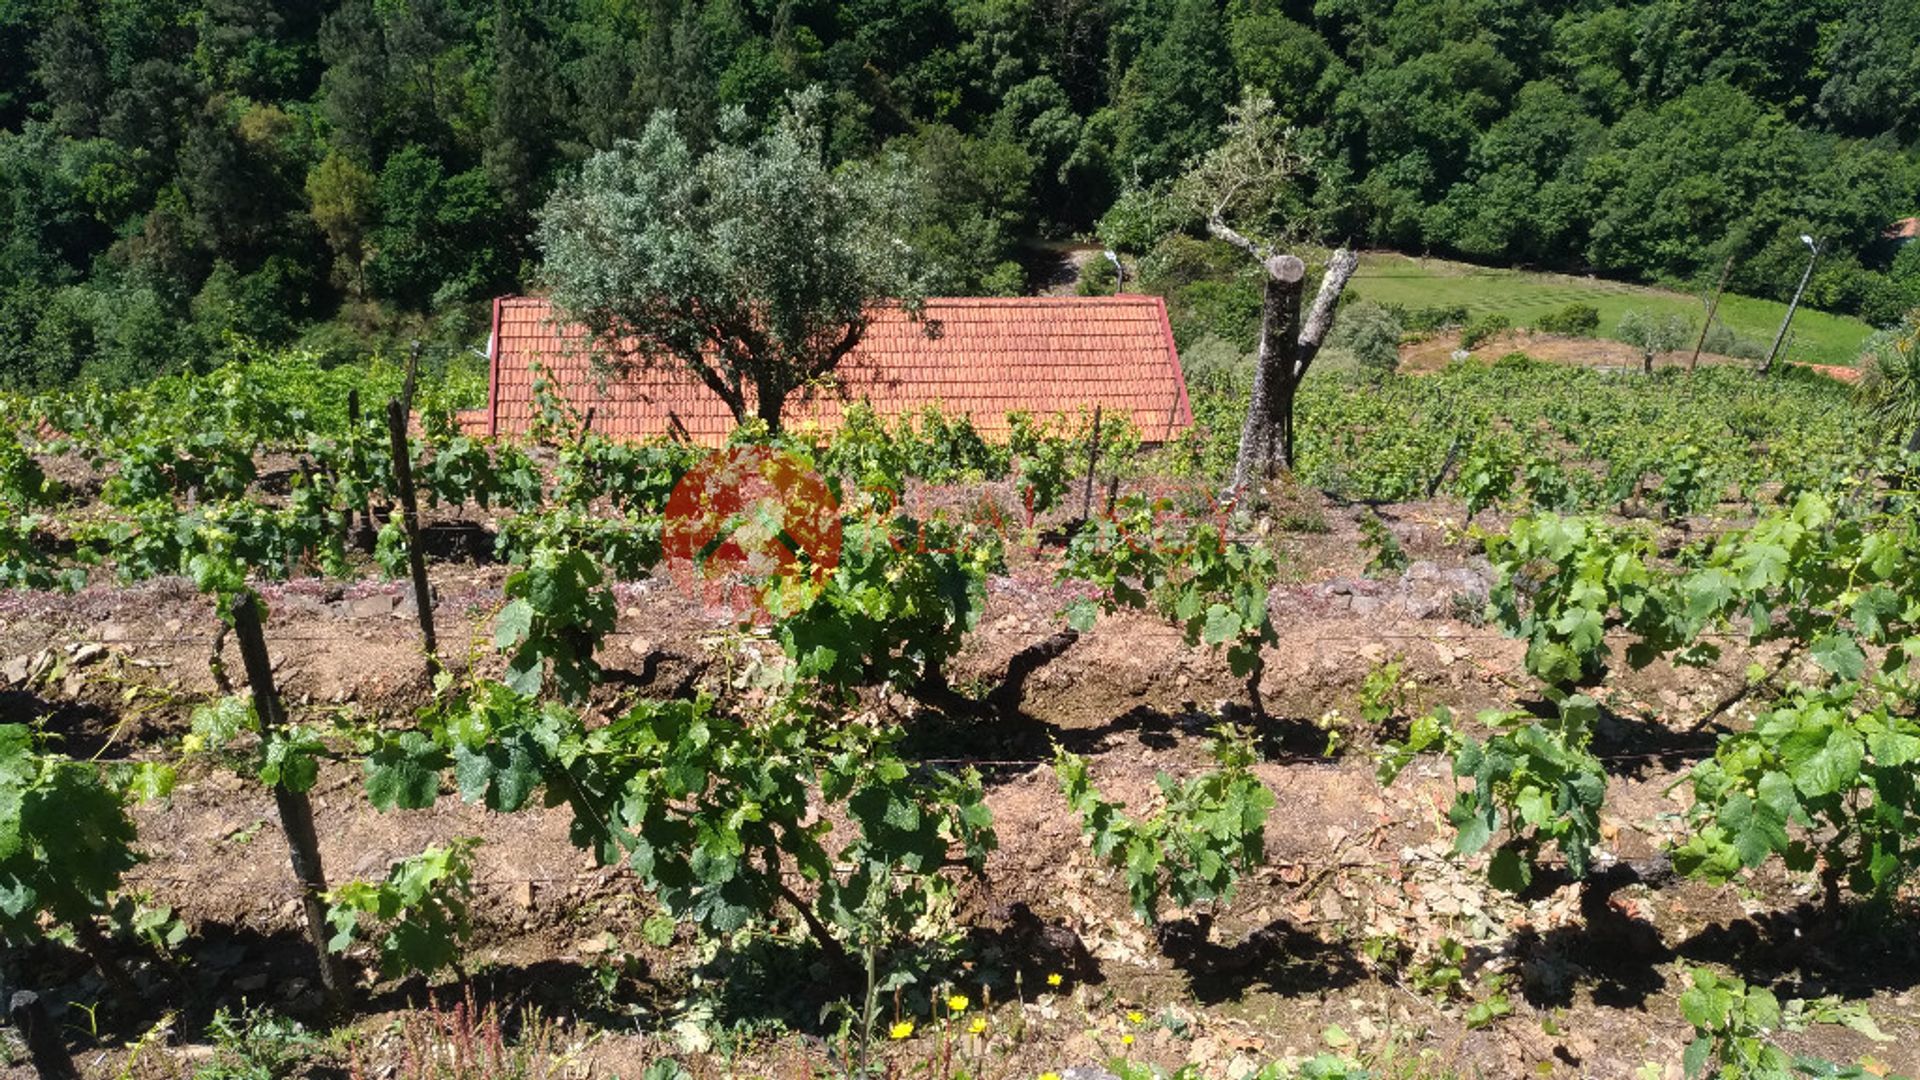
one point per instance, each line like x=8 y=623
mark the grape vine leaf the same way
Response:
x=405 y=772
x=1223 y=625
x=512 y=625
x=502 y=774
x=1509 y=870
x=1838 y=654
x=1833 y=768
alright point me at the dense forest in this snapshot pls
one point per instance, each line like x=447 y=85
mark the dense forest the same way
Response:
x=177 y=172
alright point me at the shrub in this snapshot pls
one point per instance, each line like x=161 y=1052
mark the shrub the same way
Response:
x=1428 y=319
x=1574 y=320
x=1481 y=328
x=1723 y=341
x=1097 y=277
x=1371 y=332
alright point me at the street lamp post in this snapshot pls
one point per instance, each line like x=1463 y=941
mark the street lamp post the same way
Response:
x=1813 y=254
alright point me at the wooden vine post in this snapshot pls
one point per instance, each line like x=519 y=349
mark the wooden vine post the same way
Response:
x=296 y=811
x=1093 y=458
x=397 y=412
x=1712 y=306
x=410 y=521
x=362 y=539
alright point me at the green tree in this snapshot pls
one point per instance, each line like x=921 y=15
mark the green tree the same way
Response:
x=1892 y=384
x=1873 y=60
x=1417 y=124
x=353 y=89
x=1173 y=99
x=1526 y=195
x=969 y=208
x=72 y=76
x=1653 y=334
x=1371 y=332
x=753 y=266
x=518 y=144
x=341 y=192
x=1710 y=164
x=1283 y=59
x=436 y=240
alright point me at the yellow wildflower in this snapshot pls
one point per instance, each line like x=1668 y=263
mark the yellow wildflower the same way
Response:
x=958 y=1003
x=979 y=1025
x=901 y=1030
x=1126 y=1040
x=1135 y=1018
x=1049 y=1076
x=1053 y=980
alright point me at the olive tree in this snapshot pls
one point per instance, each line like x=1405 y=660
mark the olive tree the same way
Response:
x=1653 y=334
x=754 y=266
x=1241 y=188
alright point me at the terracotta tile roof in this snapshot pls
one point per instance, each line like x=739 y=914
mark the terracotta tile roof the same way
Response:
x=991 y=356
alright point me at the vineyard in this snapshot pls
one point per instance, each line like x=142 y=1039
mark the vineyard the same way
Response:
x=1547 y=722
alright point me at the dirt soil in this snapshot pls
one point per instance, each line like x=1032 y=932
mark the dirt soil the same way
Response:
x=1328 y=945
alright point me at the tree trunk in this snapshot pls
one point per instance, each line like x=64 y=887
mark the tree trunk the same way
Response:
x=1287 y=349
x=1260 y=433
x=767 y=405
x=1285 y=423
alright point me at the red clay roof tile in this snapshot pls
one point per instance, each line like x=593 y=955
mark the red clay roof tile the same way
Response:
x=1044 y=355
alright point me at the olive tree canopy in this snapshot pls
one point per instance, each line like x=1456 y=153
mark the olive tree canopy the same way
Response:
x=753 y=265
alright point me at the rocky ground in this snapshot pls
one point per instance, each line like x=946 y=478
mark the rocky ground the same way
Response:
x=1337 y=942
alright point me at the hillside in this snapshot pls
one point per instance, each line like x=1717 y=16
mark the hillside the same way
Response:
x=1817 y=337
x=351 y=174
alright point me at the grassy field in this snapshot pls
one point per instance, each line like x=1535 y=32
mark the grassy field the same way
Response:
x=1523 y=296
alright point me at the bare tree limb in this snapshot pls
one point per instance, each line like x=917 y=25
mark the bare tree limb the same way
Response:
x=1340 y=268
x=1222 y=230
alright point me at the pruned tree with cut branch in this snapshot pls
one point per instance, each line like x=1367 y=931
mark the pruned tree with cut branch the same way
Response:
x=1241 y=188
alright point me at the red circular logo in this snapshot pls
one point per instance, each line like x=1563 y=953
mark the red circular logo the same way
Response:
x=750 y=531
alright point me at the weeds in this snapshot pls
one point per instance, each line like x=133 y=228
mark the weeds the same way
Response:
x=467 y=1042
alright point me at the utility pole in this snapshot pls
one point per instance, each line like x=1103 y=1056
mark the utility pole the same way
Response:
x=1813 y=255
x=1712 y=307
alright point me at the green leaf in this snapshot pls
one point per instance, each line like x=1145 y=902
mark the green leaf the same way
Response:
x=1082 y=614
x=1872 y=610
x=1223 y=625
x=1835 y=767
x=1694 y=1060
x=1509 y=870
x=1474 y=823
x=148 y=781
x=405 y=772
x=503 y=774
x=1838 y=653
x=512 y=625
x=10 y=803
